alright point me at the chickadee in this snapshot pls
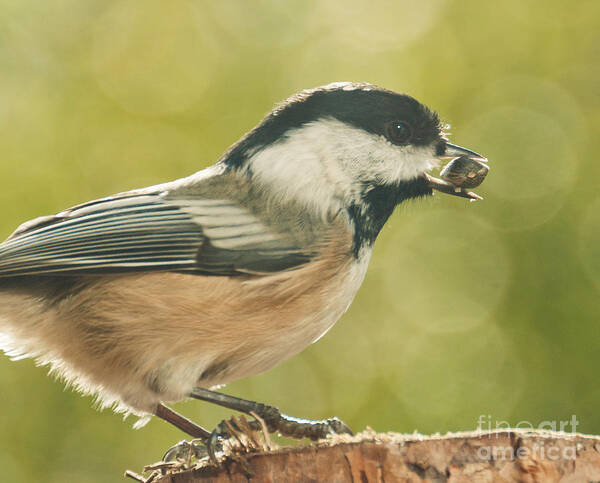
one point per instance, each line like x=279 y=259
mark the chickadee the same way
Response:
x=161 y=293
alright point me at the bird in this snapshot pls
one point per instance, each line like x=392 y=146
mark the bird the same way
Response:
x=164 y=293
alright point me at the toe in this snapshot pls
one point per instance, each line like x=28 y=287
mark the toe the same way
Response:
x=339 y=427
x=179 y=451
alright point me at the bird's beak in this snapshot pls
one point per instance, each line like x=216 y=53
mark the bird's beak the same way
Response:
x=467 y=169
x=454 y=151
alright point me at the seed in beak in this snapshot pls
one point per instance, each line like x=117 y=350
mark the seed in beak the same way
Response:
x=465 y=172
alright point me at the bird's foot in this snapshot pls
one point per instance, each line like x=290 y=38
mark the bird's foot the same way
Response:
x=300 y=428
x=231 y=436
x=186 y=451
x=241 y=433
x=235 y=434
x=238 y=434
x=273 y=419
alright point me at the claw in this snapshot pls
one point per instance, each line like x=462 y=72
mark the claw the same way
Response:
x=178 y=451
x=339 y=427
x=185 y=451
x=214 y=444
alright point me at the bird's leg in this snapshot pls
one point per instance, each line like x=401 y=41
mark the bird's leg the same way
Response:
x=273 y=418
x=181 y=422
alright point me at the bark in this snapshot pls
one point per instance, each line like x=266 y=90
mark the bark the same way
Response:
x=498 y=456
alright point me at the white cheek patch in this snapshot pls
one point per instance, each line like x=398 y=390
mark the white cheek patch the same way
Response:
x=372 y=158
x=414 y=162
x=303 y=167
x=326 y=163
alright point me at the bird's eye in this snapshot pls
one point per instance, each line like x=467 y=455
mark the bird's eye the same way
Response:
x=398 y=132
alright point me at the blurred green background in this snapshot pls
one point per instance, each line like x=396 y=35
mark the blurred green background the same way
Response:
x=469 y=309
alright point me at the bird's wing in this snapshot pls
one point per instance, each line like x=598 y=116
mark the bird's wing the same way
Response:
x=138 y=232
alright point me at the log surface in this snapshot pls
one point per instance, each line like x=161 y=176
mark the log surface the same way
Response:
x=504 y=455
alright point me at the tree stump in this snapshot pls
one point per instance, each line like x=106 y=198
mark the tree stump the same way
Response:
x=503 y=455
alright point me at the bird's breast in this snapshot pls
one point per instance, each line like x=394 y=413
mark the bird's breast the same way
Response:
x=279 y=315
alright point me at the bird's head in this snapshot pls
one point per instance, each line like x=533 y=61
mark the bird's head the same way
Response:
x=347 y=145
